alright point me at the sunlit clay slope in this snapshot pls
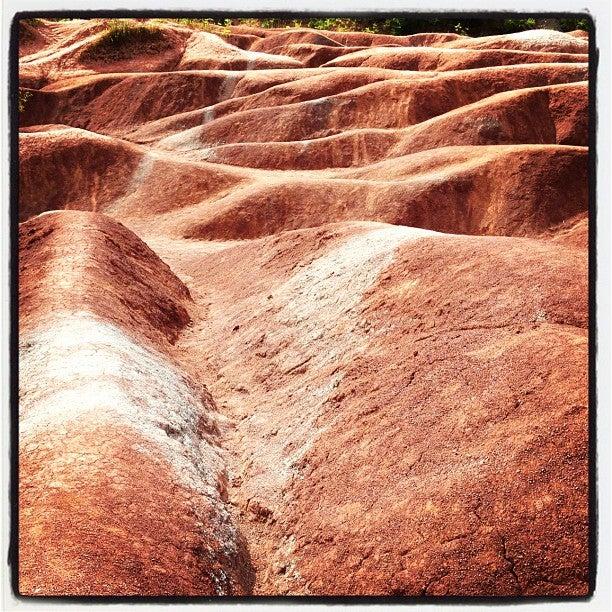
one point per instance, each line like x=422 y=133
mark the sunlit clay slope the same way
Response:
x=123 y=488
x=302 y=312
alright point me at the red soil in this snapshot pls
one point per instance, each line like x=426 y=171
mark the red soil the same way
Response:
x=448 y=59
x=539 y=115
x=534 y=40
x=247 y=364
x=101 y=509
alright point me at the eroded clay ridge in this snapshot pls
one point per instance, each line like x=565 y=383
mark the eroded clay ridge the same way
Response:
x=118 y=446
x=303 y=312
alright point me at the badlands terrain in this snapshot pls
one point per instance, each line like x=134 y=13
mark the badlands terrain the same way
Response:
x=302 y=312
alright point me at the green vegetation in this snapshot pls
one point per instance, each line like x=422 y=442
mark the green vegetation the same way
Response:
x=33 y=22
x=24 y=96
x=122 y=36
x=567 y=25
x=399 y=26
x=121 y=32
x=215 y=26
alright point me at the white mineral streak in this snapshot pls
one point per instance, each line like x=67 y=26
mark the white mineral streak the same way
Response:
x=318 y=306
x=78 y=369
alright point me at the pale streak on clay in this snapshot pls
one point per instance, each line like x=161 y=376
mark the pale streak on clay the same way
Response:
x=316 y=307
x=76 y=368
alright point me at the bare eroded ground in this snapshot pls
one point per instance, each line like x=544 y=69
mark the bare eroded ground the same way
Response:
x=303 y=312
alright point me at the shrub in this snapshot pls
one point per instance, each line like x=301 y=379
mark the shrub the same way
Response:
x=122 y=36
x=23 y=98
x=581 y=23
x=401 y=25
x=214 y=26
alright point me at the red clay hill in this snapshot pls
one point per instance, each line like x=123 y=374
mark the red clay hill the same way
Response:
x=302 y=312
